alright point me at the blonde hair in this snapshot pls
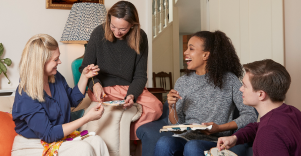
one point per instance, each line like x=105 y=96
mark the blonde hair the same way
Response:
x=127 y=11
x=36 y=53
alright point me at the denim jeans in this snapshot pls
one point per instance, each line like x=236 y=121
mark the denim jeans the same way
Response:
x=175 y=146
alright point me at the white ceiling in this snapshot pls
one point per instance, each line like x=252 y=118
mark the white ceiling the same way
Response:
x=189 y=16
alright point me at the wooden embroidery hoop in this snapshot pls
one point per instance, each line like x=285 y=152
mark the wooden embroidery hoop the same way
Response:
x=215 y=152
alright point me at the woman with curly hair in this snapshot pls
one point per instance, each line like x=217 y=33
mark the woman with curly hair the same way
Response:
x=208 y=94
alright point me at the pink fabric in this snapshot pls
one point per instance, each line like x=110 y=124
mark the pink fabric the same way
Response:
x=151 y=106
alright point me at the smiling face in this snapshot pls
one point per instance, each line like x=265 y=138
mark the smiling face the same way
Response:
x=195 y=56
x=119 y=27
x=50 y=67
x=250 y=97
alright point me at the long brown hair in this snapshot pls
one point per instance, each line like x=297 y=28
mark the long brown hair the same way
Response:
x=127 y=11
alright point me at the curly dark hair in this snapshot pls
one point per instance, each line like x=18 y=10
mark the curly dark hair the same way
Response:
x=222 y=58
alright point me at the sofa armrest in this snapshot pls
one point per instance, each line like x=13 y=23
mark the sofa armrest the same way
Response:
x=7 y=103
x=113 y=127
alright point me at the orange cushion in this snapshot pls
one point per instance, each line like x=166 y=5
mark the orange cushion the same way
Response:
x=7 y=133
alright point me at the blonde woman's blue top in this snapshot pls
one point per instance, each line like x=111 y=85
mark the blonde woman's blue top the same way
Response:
x=44 y=120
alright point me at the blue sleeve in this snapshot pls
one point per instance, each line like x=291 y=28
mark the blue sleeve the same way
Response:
x=32 y=112
x=74 y=95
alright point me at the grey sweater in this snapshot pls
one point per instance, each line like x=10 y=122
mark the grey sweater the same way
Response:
x=202 y=102
x=119 y=64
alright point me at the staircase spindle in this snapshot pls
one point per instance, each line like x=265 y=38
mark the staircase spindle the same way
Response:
x=166 y=12
x=161 y=15
x=156 y=17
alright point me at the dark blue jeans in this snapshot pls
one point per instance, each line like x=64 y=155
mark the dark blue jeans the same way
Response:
x=174 y=146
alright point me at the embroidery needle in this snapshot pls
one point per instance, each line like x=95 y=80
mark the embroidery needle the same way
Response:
x=93 y=85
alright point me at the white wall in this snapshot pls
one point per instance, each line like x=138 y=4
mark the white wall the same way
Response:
x=189 y=17
x=262 y=29
x=254 y=26
x=162 y=51
x=20 y=20
x=176 y=44
x=292 y=24
x=181 y=51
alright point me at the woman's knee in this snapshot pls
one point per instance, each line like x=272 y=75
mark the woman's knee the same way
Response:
x=84 y=146
x=96 y=142
x=166 y=141
x=169 y=146
x=197 y=147
x=193 y=146
x=76 y=148
x=96 y=138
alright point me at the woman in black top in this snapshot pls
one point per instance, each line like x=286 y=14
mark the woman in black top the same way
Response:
x=120 y=48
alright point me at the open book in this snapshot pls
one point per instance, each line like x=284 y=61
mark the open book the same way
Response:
x=185 y=127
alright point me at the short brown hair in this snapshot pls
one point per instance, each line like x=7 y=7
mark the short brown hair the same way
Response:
x=269 y=76
x=127 y=11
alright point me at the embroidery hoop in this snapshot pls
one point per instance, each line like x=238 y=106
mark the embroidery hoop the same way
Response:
x=114 y=103
x=215 y=152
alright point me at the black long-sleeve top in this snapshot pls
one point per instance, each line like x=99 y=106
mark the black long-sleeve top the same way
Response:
x=119 y=64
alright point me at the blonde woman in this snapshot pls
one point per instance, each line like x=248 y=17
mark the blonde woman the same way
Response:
x=41 y=109
x=120 y=48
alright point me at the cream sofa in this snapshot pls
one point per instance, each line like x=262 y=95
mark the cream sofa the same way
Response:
x=113 y=126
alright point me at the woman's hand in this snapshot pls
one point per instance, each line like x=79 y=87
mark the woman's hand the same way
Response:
x=215 y=128
x=87 y=73
x=98 y=92
x=95 y=113
x=129 y=101
x=172 y=98
x=226 y=142
x=90 y=71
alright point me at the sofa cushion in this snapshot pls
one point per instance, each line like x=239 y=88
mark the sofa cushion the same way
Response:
x=6 y=103
x=7 y=133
